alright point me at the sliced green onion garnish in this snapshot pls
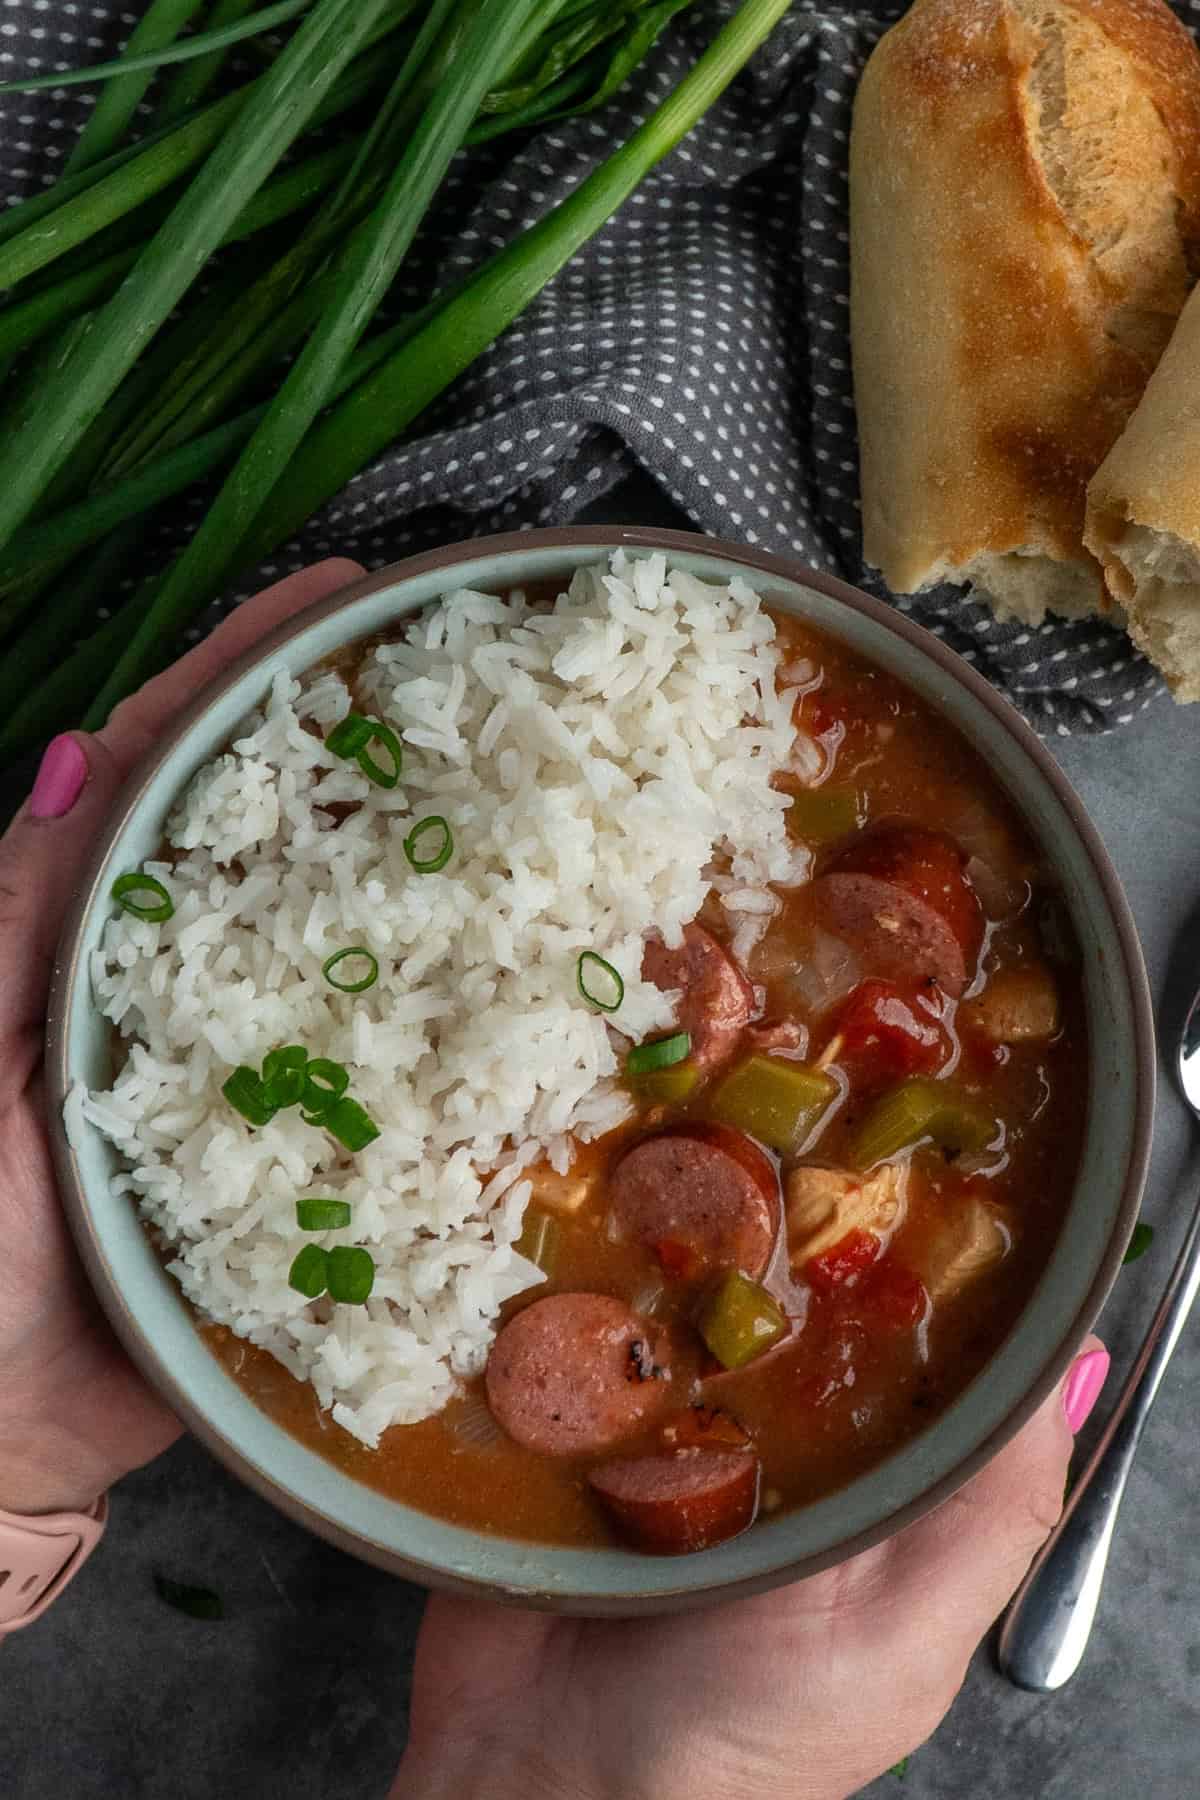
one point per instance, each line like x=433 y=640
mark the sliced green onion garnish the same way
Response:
x=666 y=1087
x=350 y=1124
x=351 y=1274
x=598 y=982
x=353 y=738
x=353 y=734
x=245 y=1092
x=324 y=1082
x=660 y=1054
x=351 y=987
x=283 y=1075
x=322 y=1214
x=309 y=1273
x=159 y=908
x=385 y=778
x=437 y=851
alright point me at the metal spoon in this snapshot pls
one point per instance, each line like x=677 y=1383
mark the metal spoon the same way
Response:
x=1050 y=1620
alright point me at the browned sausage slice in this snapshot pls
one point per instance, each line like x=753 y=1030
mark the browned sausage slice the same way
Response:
x=898 y=935
x=671 y=1504
x=575 y=1373
x=717 y=1001
x=702 y=1198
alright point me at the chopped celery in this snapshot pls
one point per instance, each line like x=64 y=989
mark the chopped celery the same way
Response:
x=539 y=1239
x=665 y=1086
x=740 y=1320
x=819 y=815
x=777 y=1102
x=920 y=1109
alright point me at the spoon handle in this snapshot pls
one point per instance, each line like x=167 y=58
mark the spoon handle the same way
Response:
x=1050 y=1620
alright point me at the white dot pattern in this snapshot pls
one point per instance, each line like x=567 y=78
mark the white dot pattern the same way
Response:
x=702 y=335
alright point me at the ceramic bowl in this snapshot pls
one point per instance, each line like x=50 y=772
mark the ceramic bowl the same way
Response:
x=156 y=1327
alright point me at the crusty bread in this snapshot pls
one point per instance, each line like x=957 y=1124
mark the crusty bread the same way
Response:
x=1025 y=226
x=1143 y=516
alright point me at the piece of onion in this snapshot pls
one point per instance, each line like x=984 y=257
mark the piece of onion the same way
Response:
x=473 y=1423
x=825 y=974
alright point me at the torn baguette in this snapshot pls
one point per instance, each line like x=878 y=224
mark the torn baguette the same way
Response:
x=1025 y=219
x=1143 y=516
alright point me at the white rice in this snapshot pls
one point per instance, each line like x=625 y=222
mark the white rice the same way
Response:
x=592 y=761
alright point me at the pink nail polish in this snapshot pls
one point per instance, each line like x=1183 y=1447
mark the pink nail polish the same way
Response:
x=60 y=779
x=1081 y=1389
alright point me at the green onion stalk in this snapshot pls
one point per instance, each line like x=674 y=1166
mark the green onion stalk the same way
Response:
x=258 y=136
x=371 y=417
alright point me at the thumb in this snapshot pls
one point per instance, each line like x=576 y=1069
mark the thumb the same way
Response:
x=961 y=1566
x=40 y=855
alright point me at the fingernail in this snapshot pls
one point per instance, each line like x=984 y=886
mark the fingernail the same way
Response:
x=60 y=779
x=1081 y=1390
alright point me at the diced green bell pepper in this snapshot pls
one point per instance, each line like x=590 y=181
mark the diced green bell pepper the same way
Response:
x=775 y=1101
x=921 y=1109
x=740 y=1320
x=821 y=815
x=665 y=1087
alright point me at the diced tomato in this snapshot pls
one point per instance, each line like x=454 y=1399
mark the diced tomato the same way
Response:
x=895 y=1295
x=848 y=1258
x=705 y=1428
x=888 y=1033
x=675 y=1259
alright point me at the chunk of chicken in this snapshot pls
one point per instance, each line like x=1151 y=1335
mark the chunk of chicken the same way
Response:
x=823 y=1204
x=1018 y=1006
x=559 y=1193
x=973 y=1238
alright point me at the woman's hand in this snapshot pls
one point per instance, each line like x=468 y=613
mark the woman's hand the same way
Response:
x=805 y=1693
x=74 y=1414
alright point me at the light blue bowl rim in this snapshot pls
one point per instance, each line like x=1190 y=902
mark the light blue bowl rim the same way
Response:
x=152 y=1322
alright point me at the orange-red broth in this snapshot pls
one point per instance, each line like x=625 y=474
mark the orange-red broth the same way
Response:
x=858 y=1377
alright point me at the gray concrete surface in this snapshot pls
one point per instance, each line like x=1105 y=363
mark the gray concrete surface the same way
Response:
x=302 y=1691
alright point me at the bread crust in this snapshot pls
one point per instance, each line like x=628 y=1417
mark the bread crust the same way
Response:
x=1025 y=223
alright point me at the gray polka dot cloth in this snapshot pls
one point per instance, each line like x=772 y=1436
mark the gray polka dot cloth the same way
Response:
x=701 y=336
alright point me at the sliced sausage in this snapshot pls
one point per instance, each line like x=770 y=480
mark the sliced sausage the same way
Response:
x=716 y=1000
x=576 y=1373
x=680 y=1502
x=898 y=936
x=900 y=895
x=703 y=1198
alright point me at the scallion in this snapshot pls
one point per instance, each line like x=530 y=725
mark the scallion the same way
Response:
x=384 y=778
x=351 y=1274
x=319 y=1214
x=126 y=886
x=245 y=1092
x=350 y=1124
x=202 y=43
x=350 y=735
x=437 y=854
x=325 y=1082
x=339 y=957
x=283 y=1075
x=659 y=1053
x=352 y=739
x=309 y=1273
x=599 y=983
